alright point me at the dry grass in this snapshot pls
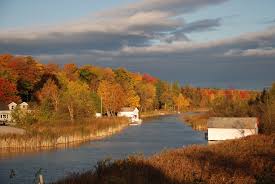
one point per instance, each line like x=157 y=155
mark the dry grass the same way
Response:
x=250 y=160
x=60 y=128
x=48 y=134
x=198 y=121
x=150 y=114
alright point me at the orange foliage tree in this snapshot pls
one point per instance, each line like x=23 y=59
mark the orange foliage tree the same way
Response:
x=113 y=96
x=49 y=92
x=8 y=92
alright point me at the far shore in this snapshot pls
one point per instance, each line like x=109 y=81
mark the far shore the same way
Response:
x=157 y=113
x=196 y=118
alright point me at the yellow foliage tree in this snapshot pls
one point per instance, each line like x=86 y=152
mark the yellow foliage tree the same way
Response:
x=147 y=94
x=78 y=100
x=133 y=100
x=181 y=102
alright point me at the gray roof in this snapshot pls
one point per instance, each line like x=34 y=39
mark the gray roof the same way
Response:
x=238 y=123
x=4 y=107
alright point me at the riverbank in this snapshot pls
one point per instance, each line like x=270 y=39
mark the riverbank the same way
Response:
x=54 y=135
x=152 y=114
x=244 y=161
x=197 y=120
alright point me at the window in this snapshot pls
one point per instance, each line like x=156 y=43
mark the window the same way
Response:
x=12 y=107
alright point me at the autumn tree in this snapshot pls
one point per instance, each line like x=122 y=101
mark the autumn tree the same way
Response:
x=123 y=77
x=8 y=92
x=112 y=95
x=78 y=100
x=126 y=80
x=71 y=71
x=149 y=78
x=167 y=96
x=27 y=72
x=5 y=72
x=132 y=98
x=147 y=94
x=263 y=107
x=50 y=93
x=181 y=102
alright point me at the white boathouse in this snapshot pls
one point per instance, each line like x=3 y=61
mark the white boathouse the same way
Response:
x=129 y=112
x=223 y=128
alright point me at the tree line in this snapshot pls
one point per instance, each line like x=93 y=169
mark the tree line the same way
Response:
x=72 y=92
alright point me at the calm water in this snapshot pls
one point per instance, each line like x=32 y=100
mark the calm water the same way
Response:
x=151 y=137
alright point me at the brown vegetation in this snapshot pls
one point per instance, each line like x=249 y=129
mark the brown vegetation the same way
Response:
x=52 y=134
x=245 y=161
x=198 y=121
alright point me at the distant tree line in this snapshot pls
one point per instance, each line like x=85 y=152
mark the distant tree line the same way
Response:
x=72 y=92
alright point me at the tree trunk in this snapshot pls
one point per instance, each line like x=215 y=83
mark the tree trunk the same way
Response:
x=56 y=106
x=71 y=112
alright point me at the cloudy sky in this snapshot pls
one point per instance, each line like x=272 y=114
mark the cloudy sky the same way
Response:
x=215 y=43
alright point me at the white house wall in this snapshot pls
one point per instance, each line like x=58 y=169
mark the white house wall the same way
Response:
x=225 y=134
x=7 y=115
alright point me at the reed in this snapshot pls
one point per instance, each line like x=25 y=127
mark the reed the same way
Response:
x=245 y=161
x=197 y=121
x=150 y=114
x=54 y=134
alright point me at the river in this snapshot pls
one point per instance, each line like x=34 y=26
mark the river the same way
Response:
x=151 y=137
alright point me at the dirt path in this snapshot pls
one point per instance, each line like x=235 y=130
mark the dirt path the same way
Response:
x=11 y=130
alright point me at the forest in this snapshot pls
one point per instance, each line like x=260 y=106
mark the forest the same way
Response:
x=72 y=92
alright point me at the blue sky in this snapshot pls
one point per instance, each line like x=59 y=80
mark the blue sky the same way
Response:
x=218 y=43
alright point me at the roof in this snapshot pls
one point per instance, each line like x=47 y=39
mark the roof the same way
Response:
x=238 y=123
x=127 y=109
x=12 y=103
x=24 y=103
x=4 y=107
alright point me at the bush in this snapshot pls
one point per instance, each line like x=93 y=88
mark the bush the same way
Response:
x=23 y=117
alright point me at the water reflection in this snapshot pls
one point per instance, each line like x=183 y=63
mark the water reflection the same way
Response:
x=152 y=136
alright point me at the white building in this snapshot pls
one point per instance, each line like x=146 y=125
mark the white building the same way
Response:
x=231 y=128
x=6 y=110
x=129 y=112
x=98 y=115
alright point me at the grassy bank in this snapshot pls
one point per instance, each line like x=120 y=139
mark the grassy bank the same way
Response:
x=54 y=134
x=198 y=121
x=246 y=161
x=151 y=114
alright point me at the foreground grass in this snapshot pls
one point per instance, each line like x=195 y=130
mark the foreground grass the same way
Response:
x=246 y=161
x=198 y=121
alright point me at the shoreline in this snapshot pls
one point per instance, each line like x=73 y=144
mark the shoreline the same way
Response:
x=13 y=145
x=196 y=119
x=154 y=114
x=194 y=163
